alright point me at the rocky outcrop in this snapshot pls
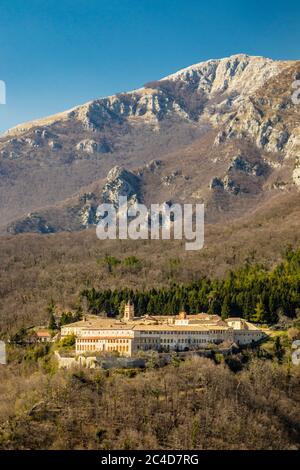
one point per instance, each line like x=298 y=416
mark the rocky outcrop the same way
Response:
x=37 y=140
x=78 y=214
x=243 y=175
x=216 y=183
x=227 y=184
x=91 y=146
x=241 y=163
x=171 y=178
x=268 y=117
x=81 y=212
x=239 y=73
x=32 y=223
x=87 y=212
x=154 y=165
x=231 y=186
x=54 y=145
x=121 y=182
x=296 y=172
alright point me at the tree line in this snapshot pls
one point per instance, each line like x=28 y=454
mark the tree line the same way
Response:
x=251 y=292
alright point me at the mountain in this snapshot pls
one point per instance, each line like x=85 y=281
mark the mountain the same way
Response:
x=224 y=132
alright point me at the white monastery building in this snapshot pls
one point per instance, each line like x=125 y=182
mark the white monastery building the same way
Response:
x=161 y=333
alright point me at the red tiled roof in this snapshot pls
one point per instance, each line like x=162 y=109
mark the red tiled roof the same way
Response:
x=43 y=333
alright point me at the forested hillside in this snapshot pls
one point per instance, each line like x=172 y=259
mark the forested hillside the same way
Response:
x=251 y=292
x=37 y=268
x=196 y=404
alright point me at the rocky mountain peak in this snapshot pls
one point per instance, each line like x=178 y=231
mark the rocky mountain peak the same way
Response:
x=238 y=72
x=236 y=76
x=218 y=128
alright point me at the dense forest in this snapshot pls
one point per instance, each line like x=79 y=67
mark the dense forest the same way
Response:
x=195 y=404
x=243 y=400
x=251 y=292
x=37 y=268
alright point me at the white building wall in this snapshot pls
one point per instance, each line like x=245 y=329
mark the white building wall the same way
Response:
x=129 y=341
x=244 y=337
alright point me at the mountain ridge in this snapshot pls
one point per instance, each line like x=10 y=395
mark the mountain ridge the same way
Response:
x=228 y=116
x=173 y=76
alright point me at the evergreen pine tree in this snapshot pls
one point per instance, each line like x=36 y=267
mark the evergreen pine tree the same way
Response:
x=259 y=312
x=225 y=311
x=52 y=323
x=278 y=349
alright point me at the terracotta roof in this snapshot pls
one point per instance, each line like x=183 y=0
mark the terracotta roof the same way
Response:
x=43 y=334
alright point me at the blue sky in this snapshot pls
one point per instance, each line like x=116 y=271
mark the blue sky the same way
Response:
x=57 y=54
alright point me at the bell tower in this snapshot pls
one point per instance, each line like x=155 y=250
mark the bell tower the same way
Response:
x=128 y=312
